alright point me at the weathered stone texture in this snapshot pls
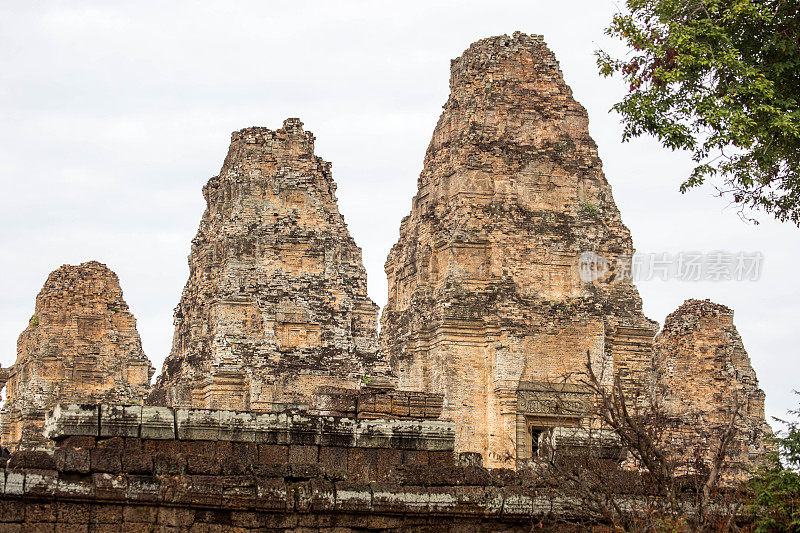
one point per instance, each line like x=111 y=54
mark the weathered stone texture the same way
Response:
x=276 y=304
x=80 y=346
x=704 y=374
x=485 y=296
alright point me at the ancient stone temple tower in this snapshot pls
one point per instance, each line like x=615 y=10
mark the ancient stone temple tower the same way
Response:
x=510 y=272
x=705 y=379
x=80 y=346
x=276 y=304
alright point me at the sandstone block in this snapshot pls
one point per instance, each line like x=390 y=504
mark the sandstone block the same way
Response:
x=40 y=483
x=142 y=488
x=517 y=503
x=303 y=430
x=239 y=426
x=337 y=432
x=271 y=494
x=353 y=497
x=110 y=486
x=157 y=423
x=71 y=419
x=15 y=483
x=120 y=420
x=197 y=424
x=206 y=490
x=69 y=487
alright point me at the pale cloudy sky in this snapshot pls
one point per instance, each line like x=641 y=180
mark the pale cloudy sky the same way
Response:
x=114 y=114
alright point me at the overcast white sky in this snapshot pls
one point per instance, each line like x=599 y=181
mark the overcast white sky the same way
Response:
x=114 y=114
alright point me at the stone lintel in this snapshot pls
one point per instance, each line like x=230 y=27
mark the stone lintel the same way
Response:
x=120 y=420
x=157 y=423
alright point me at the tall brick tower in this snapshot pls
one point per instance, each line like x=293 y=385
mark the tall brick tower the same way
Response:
x=276 y=303
x=487 y=301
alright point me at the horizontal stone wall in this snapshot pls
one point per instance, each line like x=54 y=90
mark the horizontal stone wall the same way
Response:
x=288 y=427
x=155 y=468
x=122 y=468
x=92 y=484
x=104 y=483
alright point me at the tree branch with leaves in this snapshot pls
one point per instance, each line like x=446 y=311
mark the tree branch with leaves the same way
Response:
x=720 y=79
x=669 y=473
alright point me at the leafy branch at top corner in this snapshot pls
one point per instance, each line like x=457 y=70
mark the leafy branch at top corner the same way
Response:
x=721 y=80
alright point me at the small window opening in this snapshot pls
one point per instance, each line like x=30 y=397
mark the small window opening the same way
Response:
x=536 y=433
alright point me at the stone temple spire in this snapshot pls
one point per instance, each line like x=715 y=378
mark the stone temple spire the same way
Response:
x=509 y=271
x=276 y=303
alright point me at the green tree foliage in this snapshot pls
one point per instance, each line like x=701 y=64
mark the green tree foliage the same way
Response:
x=775 y=490
x=721 y=79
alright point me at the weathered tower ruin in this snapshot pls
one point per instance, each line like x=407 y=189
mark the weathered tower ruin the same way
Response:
x=80 y=346
x=276 y=304
x=705 y=381
x=510 y=271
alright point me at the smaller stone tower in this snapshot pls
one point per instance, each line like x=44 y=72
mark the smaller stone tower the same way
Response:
x=80 y=346
x=704 y=374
